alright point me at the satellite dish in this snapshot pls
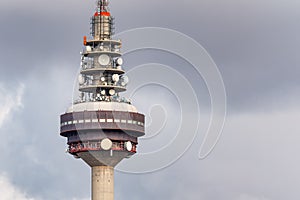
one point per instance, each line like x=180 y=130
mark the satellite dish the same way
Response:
x=112 y=92
x=102 y=79
x=115 y=78
x=128 y=146
x=103 y=92
x=125 y=80
x=106 y=144
x=119 y=61
x=88 y=48
x=81 y=79
x=104 y=59
x=119 y=67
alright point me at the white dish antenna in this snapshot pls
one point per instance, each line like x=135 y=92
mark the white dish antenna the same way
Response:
x=106 y=144
x=103 y=92
x=119 y=61
x=88 y=48
x=112 y=92
x=104 y=59
x=102 y=79
x=119 y=67
x=128 y=146
x=115 y=78
x=81 y=79
x=125 y=80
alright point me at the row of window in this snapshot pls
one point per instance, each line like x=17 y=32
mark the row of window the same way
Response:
x=124 y=121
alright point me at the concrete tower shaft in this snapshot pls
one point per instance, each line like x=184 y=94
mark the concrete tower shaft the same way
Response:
x=102 y=183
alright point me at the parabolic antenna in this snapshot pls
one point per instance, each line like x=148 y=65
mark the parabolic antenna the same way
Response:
x=112 y=92
x=104 y=59
x=124 y=80
x=115 y=78
x=128 y=146
x=119 y=67
x=81 y=79
x=88 y=48
x=106 y=144
x=119 y=61
x=102 y=79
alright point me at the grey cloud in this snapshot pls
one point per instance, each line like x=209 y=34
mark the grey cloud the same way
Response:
x=255 y=45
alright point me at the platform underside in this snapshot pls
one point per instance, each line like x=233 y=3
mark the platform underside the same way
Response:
x=104 y=158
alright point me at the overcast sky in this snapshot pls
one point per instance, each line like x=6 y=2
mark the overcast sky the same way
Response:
x=255 y=45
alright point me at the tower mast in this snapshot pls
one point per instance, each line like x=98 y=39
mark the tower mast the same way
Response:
x=101 y=127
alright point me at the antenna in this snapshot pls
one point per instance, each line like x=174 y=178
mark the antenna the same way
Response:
x=102 y=128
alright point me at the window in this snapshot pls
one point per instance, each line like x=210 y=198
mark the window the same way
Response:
x=117 y=120
x=95 y=120
x=102 y=120
x=109 y=120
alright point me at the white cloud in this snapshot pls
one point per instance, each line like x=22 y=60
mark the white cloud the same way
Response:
x=10 y=101
x=9 y=192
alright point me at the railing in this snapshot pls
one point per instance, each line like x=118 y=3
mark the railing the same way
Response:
x=95 y=146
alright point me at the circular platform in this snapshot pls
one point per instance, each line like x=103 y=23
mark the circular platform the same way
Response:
x=93 y=88
x=105 y=42
x=92 y=71
x=95 y=53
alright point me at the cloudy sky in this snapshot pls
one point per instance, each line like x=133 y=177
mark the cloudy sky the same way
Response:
x=255 y=45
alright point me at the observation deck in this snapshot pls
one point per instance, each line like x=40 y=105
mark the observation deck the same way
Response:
x=101 y=127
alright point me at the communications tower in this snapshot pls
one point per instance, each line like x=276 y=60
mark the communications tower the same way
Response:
x=101 y=127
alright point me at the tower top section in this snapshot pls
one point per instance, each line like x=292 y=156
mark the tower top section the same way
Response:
x=102 y=76
x=102 y=22
x=102 y=8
